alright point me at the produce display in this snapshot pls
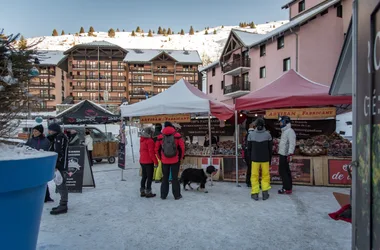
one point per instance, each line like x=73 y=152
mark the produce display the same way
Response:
x=222 y=148
x=333 y=145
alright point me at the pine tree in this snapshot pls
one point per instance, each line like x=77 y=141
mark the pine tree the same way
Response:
x=214 y=32
x=81 y=30
x=240 y=25
x=55 y=33
x=13 y=96
x=22 y=44
x=182 y=32
x=91 y=31
x=191 y=32
x=206 y=32
x=164 y=32
x=138 y=30
x=123 y=30
x=117 y=30
x=222 y=26
x=252 y=25
x=133 y=33
x=159 y=31
x=170 y=32
x=111 y=33
x=150 y=33
x=154 y=32
x=62 y=33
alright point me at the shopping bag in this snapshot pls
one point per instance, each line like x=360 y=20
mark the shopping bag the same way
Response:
x=158 y=172
x=58 y=179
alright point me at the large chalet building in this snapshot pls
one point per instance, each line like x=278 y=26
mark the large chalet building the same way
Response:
x=109 y=74
x=310 y=43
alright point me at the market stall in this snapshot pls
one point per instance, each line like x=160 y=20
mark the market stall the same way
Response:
x=87 y=113
x=322 y=155
x=176 y=104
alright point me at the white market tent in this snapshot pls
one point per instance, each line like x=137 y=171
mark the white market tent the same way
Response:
x=181 y=98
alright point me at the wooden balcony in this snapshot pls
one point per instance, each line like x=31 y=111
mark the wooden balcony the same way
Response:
x=163 y=71
x=102 y=88
x=43 y=109
x=237 y=67
x=46 y=74
x=167 y=83
x=140 y=82
x=140 y=71
x=45 y=97
x=237 y=89
x=40 y=85
x=186 y=72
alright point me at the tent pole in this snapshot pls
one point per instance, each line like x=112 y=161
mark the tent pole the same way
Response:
x=210 y=142
x=130 y=137
x=122 y=175
x=108 y=143
x=236 y=149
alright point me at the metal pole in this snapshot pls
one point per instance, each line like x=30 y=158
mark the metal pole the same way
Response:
x=354 y=121
x=98 y=76
x=210 y=142
x=130 y=136
x=236 y=149
x=122 y=175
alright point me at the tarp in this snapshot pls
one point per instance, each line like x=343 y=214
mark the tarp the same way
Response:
x=86 y=112
x=181 y=98
x=290 y=90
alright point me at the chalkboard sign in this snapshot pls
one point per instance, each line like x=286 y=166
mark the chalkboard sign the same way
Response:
x=76 y=157
x=121 y=156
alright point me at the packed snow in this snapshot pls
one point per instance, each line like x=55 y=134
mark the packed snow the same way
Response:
x=12 y=153
x=113 y=216
x=208 y=46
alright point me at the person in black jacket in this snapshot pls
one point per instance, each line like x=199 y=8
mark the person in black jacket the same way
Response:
x=40 y=142
x=260 y=153
x=59 y=144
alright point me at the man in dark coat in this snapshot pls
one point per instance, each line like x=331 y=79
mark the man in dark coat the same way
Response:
x=59 y=144
x=40 y=142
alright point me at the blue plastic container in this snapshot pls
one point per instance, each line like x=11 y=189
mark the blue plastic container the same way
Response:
x=22 y=193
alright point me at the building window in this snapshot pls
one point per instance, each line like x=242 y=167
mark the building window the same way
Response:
x=286 y=64
x=108 y=86
x=339 y=11
x=80 y=94
x=79 y=84
x=280 y=42
x=222 y=84
x=210 y=89
x=263 y=72
x=213 y=71
x=263 y=50
x=301 y=6
x=93 y=96
x=120 y=94
x=120 y=65
x=120 y=84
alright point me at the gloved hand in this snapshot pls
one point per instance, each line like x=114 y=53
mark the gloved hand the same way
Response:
x=290 y=158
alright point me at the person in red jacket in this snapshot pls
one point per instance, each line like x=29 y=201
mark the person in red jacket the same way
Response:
x=170 y=149
x=148 y=161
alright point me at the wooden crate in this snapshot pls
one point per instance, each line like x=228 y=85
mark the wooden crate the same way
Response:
x=319 y=166
x=101 y=151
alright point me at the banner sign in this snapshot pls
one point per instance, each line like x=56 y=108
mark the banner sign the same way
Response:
x=75 y=171
x=199 y=127
x=165 y=118
x=121 y=156
x=300 y=169
x=306 y=113
x=338 y=172
x=304 y=129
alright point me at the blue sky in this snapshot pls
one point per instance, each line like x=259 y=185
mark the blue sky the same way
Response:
x=40 y=17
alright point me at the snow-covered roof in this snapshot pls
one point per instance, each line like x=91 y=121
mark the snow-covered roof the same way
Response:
x=247 y=38
x=146 y=55
x=50 y=57
x=95 y=44
x=295 y=22
x=288 y=4
x=211 y=65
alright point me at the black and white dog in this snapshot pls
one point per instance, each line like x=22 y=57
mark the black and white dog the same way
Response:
x=197 y=175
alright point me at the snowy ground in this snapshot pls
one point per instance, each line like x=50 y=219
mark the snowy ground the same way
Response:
x=113 y=216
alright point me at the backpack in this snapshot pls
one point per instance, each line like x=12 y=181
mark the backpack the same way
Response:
x=169 y=146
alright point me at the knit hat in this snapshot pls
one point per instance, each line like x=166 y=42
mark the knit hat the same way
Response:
x=147 y=132
x=168 y=124
x=54 y=127
x=39 y=128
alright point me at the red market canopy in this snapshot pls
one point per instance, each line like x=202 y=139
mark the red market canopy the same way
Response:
x=290 y=90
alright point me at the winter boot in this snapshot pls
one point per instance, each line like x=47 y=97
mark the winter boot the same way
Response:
x=59 y=210
x=255 y=197
x=265 y=195
x=142 y=192
x=284 y=191
x=179 y=197
x=149 y=194
x=48 y=199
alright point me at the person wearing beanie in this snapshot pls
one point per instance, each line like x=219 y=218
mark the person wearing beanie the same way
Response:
x=40 y=142
x=60 y=144
x=170 y=150
x=157 y=131
x=148 y=161
x=260 y=155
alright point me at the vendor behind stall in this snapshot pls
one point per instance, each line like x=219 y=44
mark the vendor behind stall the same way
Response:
x=207 y=141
